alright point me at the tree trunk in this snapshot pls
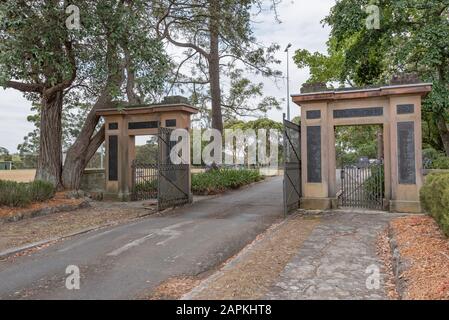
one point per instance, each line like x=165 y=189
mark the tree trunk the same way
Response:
x=84 y=147
x=87 y=143
x=380 y=144
x=81 y=152
x=49 y=165
x=214 y=65
x=444 y=133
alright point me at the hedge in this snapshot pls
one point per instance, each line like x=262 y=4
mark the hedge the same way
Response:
x=20 y=194
x=435 y=198
x=216 y=181
x=433 y=159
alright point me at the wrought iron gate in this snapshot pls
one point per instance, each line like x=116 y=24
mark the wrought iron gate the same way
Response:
x=167 y=182
x=144 y=181
x=362 y=187
x=174 y=179
x=292 y=166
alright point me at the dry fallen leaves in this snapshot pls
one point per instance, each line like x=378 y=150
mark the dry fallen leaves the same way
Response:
x=426 y=250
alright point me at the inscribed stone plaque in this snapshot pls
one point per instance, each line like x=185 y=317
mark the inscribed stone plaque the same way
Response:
x=358 y=113
x=405 y=108
x=313 y=114
x=406 y=153
x=113 y=158
x=113 y=126
x=143 y=125
x=170 y=123
x=314 y=154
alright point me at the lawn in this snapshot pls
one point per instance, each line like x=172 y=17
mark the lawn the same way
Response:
x=18 y=175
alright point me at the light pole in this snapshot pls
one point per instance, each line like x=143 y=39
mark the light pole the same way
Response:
x=288 y=81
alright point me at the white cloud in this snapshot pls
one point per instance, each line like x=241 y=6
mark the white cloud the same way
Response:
x=14 y=109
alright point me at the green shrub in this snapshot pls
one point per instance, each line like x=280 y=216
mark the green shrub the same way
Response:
x=435 y=198
x=433 y=159
x=376 y=180
x=19 y=194
x=441 y=163
x=146 y=186
x=41 y=190
x=14 y=194
x=216 y=181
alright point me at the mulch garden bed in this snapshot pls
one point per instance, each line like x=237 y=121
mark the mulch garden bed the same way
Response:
x=419 y=258
x=59 y=203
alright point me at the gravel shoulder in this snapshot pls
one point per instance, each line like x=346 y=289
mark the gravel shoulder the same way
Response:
x=57 y=225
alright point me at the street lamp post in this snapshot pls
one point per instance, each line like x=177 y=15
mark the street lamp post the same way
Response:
x=288 y=80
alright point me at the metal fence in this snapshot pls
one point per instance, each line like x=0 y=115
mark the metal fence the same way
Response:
x=362 y=187
x=144 y=181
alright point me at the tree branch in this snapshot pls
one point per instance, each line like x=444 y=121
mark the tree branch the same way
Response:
x=24 y=87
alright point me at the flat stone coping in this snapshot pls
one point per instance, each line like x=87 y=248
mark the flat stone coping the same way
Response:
x=347 y=93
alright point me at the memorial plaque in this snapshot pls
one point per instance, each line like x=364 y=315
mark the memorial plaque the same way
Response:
x=113 y=158
x=313 y=114
x=406 y=153
x=314 y=154
x=358 y=113
x=406 y=108
x=170 y=123
x=143 y=125
x=113 y=126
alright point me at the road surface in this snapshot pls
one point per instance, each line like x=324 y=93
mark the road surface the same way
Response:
x=128 y=261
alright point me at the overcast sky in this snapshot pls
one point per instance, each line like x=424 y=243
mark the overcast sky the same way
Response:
x=300 y=26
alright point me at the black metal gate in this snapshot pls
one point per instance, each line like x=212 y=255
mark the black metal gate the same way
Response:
x=167 y=182
x=145 y=177
x=292 y=166
x=174 y=179
x=362 y=187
